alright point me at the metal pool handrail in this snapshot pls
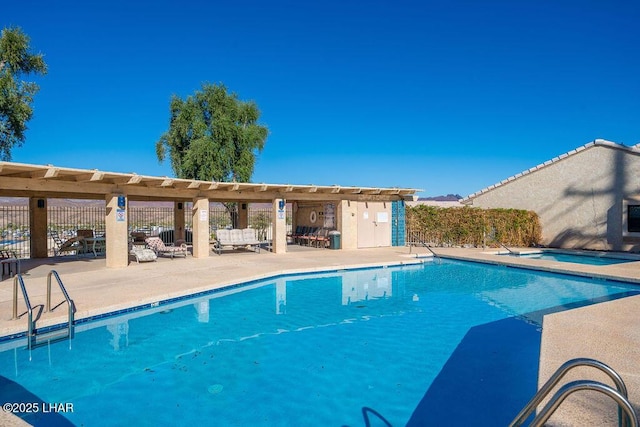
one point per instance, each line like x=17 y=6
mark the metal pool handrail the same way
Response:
x=505 y=246
x=558 y=375
x=572 y=387
x=66 y=297
x=18 y=280
x=424 y=245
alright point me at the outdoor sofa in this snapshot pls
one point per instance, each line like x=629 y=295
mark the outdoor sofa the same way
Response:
x=236 y=238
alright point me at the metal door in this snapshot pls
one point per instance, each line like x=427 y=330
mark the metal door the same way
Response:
x=374 y=224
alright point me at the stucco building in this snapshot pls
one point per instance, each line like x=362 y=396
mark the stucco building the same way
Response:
x=588 y=198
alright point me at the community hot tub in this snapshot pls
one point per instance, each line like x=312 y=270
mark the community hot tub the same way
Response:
x=576 y=257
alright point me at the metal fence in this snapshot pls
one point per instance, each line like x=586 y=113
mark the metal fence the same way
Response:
x=220 y=217
x=155 y=220
x=151 y=219
x=66 y=220
x=68 y=216
x=260 y=219
x=14 y=227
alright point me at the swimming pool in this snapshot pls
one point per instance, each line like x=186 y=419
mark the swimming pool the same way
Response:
x=10 y=241
x=395 y=343
x=576 y=258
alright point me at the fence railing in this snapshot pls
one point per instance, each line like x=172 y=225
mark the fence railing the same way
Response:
x=14 y=228
x=151 y=218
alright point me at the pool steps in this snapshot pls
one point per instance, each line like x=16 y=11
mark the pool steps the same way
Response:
x=37 y=338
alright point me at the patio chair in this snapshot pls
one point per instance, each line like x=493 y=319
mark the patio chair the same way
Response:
x=158 y=246
x=300 y=231
x=74 y=244
x=294 y=234
x=138 y=237
x=306 y=238
x=321 y=239
x=10 y=263
x=142 y=253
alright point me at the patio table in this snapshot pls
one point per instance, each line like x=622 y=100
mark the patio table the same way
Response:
x=95 y=245
x=14 y=266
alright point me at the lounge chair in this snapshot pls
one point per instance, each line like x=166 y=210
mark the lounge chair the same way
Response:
x=85 y=233
x=158 y=246
x=74 y=244
x=142 y=253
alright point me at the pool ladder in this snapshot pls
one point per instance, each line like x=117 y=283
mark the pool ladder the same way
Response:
x=619 y=394
x=35 y=338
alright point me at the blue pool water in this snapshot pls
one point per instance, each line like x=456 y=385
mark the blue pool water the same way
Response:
x=10 y=241
x=575 y=258
x=407 y=345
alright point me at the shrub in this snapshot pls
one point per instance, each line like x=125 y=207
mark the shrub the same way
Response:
x=472 y=226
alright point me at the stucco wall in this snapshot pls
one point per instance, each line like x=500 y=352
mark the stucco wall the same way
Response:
x=303 y=214
x=578 y=198
x=347 y=214
x=361 y=224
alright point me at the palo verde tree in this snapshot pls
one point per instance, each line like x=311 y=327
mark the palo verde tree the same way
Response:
x=213 y=136
x=16 y=95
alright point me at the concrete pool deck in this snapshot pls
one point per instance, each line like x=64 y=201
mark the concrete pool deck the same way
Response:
x=609 y=332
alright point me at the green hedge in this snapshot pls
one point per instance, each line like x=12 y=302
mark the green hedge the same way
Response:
x=472 y=226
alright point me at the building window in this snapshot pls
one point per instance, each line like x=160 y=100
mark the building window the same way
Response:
x=633 y=218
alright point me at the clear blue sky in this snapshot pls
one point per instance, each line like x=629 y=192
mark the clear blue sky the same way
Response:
x=444 y=96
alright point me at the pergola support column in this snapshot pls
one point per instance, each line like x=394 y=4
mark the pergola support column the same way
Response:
x=38 y=227
x=243 y=215
x=279 y=224
x=347 y=216
x=178 y=221
x=201 y=227
x=117 y=231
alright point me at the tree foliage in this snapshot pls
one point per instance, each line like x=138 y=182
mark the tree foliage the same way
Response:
x=16 y=95
x=212 y=136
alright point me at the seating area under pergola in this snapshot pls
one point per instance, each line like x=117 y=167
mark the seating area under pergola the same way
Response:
x=42 y=182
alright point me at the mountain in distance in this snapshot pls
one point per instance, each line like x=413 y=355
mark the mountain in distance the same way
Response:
x=447 y=198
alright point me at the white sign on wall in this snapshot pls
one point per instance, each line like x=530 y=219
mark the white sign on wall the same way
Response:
x=329 y=215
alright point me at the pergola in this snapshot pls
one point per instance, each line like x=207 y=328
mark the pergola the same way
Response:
x=39 y=182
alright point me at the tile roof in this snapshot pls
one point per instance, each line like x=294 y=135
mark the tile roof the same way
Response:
x=635 y=149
